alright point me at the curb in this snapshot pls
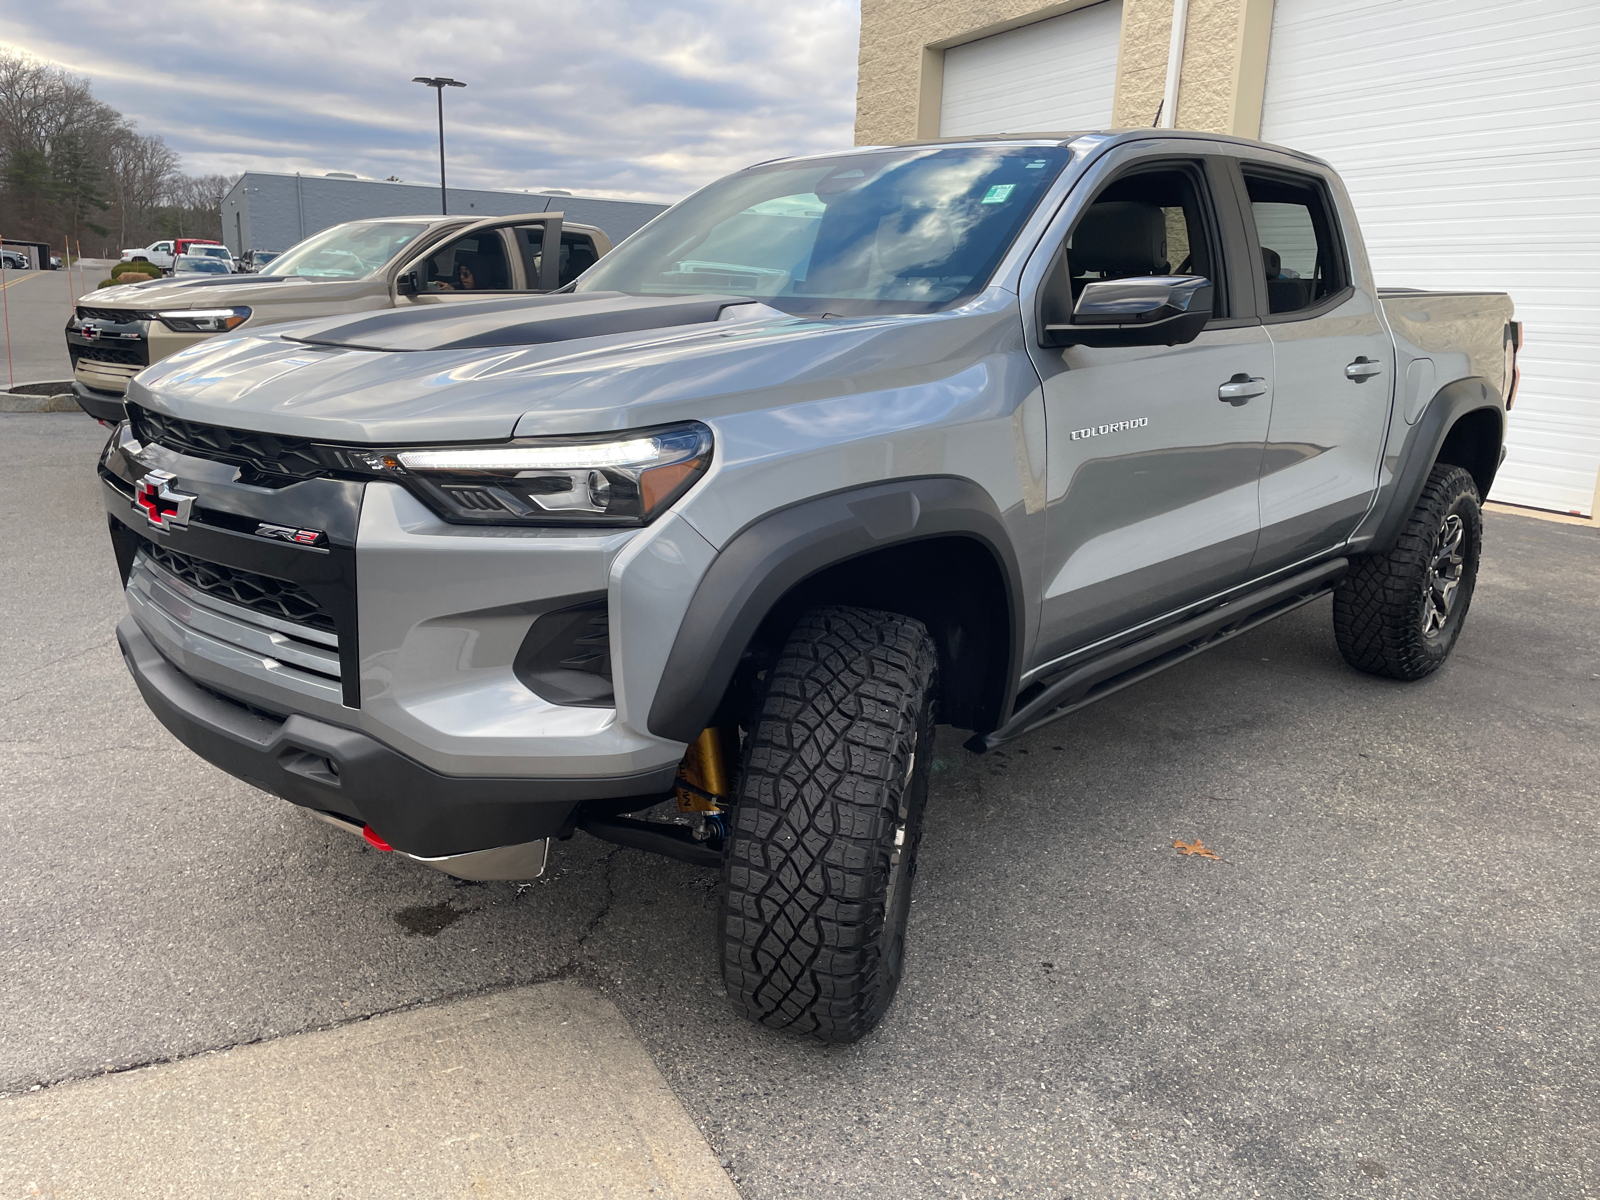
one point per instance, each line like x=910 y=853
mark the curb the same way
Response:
x=20 y=402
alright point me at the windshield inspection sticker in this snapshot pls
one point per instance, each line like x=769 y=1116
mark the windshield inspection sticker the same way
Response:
x=1115 y=427
x=999 y=193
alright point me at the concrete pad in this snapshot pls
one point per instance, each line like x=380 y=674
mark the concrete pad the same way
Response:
x=539 y=1091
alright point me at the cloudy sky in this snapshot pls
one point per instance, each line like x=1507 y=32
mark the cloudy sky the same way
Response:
x=626 y=98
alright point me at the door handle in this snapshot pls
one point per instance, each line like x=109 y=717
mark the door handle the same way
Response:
x=1362 y=369
x=1240 y=388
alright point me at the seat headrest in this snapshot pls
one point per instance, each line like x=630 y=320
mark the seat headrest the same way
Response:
x=1121 y=237
x=1273 y=261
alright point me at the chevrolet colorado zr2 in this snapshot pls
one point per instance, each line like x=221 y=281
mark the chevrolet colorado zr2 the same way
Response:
x=694 y=554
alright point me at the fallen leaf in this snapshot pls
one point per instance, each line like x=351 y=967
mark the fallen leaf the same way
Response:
x=1196 y=847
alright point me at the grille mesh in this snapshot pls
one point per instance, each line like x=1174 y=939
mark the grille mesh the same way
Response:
x=117 y=316
x=268 y=454
x=274 y=597
x=105 y=354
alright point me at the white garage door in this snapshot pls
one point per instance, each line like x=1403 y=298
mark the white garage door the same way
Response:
x=1059 y=74
x=1468 y=132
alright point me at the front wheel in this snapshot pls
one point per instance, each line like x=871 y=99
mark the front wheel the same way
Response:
x=1399 y=614
x=825 y=831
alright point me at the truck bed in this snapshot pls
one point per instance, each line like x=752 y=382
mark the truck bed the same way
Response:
x=1444 y=336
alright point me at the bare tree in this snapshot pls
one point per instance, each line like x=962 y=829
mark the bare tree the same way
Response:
x=71 y=166
x=142 y=173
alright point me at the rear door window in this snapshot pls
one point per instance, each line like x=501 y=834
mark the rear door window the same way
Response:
x=578 y=254
x=1301 y=259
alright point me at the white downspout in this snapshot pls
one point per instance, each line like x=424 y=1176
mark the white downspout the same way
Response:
x=1169 y=99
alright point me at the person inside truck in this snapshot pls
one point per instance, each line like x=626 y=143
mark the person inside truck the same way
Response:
x=468 y=265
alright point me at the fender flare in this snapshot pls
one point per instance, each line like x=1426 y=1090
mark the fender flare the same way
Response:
x=776 y=552
x=1423 y=443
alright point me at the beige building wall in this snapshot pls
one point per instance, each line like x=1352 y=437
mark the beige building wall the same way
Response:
x=1224 y=71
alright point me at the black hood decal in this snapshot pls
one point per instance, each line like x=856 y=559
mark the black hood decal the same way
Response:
x=517 y=321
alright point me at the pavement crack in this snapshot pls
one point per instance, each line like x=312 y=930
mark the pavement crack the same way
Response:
x=610 y=900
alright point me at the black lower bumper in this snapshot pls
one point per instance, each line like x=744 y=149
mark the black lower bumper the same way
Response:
x=317 y=765
x=102 y=406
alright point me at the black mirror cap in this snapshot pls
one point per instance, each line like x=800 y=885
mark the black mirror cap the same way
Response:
x=1155 y=310
x=409 y=283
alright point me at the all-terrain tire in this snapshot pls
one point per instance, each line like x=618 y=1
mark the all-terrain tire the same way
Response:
x=1399 y=614
x=828 y=819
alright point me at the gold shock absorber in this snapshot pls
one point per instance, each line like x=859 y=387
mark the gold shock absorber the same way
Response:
x=703 y=774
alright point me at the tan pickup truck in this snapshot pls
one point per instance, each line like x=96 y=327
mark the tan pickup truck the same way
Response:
x=360 y=266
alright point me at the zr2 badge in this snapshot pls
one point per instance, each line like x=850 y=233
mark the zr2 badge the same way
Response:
x=288 y=533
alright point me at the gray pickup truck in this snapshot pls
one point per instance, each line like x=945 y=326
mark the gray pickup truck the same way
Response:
x=694 y=554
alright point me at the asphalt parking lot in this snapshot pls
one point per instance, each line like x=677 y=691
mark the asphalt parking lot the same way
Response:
x=1384 y=987
x=35 y=310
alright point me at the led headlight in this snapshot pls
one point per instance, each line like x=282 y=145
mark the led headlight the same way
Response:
x=204 y=320
x=627 y=480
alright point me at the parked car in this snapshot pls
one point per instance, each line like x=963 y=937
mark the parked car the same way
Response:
x=200 y=264
x=386 y=262
x=835 y=450
x=217 y=251
x=255 y=260
x=158 y=253
x=164 y=253
x=194 y=245
x=15 y=260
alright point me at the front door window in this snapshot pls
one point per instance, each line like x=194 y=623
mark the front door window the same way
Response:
x=475 y=263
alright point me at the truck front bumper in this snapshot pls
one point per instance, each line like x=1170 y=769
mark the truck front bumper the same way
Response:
x=331 y=769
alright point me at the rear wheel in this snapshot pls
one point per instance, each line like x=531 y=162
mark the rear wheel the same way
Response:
x=823 y=846
x=1399 y=614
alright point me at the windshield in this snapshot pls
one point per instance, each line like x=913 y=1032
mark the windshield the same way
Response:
x=350 y=251
x=201 y=264
x=892 y=231
x=213 y=251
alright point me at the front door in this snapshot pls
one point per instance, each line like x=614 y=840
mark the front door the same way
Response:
x=1334 y=368
x=1154 y=452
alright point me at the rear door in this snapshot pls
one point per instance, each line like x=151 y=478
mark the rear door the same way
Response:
x=580 y=249
x=1333 y=364
x=1152 y=468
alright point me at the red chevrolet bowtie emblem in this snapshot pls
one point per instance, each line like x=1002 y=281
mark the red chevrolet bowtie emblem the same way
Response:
x=161 y=505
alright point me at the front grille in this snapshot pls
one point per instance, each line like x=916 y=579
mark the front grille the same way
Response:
x=116 y=316
x=266 y=454
x=106 y=354
x=212 y=625
x=271 y=597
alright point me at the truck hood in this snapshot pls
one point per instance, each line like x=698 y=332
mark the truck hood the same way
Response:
x=213 y=291
x=588 y=363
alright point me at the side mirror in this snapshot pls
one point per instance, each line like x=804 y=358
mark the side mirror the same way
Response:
x=1151 y=310
x=409 y=283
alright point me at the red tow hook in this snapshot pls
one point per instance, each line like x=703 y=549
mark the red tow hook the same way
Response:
x=374 y=840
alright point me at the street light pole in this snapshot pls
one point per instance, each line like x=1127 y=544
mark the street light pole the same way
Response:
x=438 y=83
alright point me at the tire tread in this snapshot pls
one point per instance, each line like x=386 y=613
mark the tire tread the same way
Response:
x=808 y=855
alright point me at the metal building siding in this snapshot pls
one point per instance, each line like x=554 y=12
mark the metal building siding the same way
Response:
x=280 y=210
x=1468 y=133
x=1060 y=73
